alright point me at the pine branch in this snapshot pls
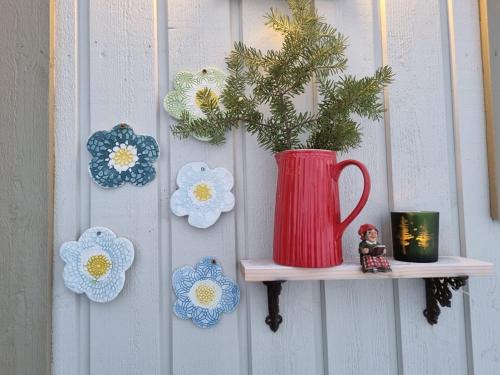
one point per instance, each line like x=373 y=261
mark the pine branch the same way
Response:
x=312 y=52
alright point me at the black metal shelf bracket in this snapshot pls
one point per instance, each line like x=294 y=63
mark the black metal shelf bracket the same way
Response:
x=274 y=319
x=438 y=290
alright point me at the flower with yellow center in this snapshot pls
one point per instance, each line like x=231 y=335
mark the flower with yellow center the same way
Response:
x=98 y=266
x=191 y=89
x=122 y=157
x=205 y=94
x=202 y=192
x=205 y=293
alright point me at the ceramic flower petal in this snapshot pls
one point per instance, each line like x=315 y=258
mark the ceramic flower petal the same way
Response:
x=203 y=194
x=120 y=156
x=96 y=264
x=183 y=98
x=204 y=293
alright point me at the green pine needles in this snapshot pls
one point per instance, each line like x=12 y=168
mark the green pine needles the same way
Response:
x=261 y=87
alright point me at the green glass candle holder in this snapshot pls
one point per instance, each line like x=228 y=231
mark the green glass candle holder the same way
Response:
x=415 y=236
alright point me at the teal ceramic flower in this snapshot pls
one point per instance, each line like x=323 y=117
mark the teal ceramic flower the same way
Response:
x=203 y=194
x=120 y=156
x=96 y=264
x=186 y=87
x=204 y=293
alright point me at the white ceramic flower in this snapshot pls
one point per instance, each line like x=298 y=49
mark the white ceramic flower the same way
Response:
x=203 y=194
x=96 y=264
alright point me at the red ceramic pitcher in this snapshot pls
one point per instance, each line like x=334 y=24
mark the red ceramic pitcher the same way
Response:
x=307 y=226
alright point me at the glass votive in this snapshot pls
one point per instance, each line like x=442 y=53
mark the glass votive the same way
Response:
x=415 y=236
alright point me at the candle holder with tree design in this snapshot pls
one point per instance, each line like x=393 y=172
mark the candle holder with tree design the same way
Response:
x=415 y=236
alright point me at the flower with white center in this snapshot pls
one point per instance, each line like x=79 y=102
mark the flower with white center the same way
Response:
x=187 y=88
x=203 y=194
x=204 y=293
x=96 y=264
x=120 y=156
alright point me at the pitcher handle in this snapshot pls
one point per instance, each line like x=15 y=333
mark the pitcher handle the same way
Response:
x=364 y=196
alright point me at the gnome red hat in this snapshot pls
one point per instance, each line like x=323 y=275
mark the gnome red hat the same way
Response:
x=365 y=228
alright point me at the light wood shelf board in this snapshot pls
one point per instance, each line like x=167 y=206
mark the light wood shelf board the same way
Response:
x=447 y=266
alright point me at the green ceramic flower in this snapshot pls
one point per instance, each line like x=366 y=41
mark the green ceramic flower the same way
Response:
x=186 y=87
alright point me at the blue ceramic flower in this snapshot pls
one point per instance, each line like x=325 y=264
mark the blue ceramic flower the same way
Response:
x=203 y=194
x=204 y=293
x=120 y=156
x=96 y=264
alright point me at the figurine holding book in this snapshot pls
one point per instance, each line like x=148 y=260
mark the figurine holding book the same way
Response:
x=371 y=252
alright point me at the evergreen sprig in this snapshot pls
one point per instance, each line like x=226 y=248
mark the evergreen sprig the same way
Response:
x=312 y=53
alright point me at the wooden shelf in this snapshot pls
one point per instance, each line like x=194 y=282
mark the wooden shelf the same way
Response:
x=447 y=266
x=448 y=272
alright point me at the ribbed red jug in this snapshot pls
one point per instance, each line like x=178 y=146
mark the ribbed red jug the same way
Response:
x=307 y=225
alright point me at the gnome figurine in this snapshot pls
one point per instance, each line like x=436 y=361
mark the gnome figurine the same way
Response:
x=371 y=252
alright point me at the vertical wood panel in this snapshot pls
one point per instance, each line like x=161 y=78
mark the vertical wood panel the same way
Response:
x=423 y=176
x=241 y=233
x=199 y=36
x=66 y=305
x=163 y=175
x=83 y=192
x=484 y=303
x=123 y=89
x=24 y=148
x=296 y=348
x=360 y=315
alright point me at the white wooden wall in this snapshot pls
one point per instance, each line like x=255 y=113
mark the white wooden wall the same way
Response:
x=115 y=60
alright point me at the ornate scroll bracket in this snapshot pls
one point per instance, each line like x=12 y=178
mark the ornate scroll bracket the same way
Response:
x=438 y=290
x=274 y=319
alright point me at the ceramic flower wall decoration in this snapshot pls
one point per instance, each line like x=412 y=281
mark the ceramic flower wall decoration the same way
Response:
x=186 y=87
x=120 y=156
x=204 y=293
x=203 y=194
x=96 y=264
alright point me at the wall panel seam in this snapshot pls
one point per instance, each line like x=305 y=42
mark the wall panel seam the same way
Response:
x=83 y=195
x=164 y=234
x=51 y=178
x=381 y=7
